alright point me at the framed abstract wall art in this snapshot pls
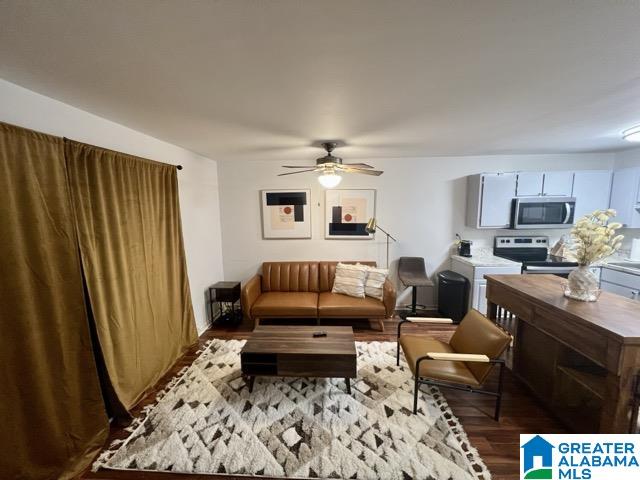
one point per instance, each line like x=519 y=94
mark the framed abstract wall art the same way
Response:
x=286 y=214
x=347 y=213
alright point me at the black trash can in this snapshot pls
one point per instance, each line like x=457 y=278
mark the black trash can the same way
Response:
x=453 y=295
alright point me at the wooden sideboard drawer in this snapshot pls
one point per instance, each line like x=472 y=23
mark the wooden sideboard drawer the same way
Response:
x=584 y=340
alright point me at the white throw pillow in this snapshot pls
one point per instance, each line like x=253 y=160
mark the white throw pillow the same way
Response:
x=374 y=283
x=349 y=280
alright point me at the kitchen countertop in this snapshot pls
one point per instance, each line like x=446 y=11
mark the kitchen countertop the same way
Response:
x=634 y=270
x=486 y=260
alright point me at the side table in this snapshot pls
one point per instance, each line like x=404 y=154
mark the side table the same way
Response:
x=227 y=295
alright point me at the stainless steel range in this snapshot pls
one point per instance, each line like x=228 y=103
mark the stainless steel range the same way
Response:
x=533 y=253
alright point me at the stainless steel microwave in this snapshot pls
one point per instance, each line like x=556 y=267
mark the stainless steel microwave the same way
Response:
x=542 y=212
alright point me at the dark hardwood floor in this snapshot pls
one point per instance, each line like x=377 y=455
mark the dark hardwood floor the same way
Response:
x=497 y=442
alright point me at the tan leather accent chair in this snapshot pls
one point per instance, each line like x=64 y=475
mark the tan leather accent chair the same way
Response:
x=296 y=290
x=464 y=363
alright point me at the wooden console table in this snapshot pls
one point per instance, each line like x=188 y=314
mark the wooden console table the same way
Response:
x=578 y=358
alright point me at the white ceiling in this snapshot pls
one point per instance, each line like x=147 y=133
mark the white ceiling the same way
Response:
x=264 y=79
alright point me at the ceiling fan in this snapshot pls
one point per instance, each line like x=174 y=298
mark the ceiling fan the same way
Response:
x=330 y=166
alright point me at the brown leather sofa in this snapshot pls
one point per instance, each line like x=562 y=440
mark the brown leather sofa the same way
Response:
x=303 y=290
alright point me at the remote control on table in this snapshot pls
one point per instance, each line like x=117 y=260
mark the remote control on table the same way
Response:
x=319 y=334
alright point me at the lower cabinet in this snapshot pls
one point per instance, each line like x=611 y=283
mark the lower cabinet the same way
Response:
x=621 y=283
x=475 y=274
x=479 y=299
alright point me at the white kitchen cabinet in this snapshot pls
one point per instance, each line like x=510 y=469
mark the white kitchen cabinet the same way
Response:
x=621 y=283
x=489 y=199
x=475 y=268
x=592 y=190
x=529 y=184
x=557 y=184
x=625 y=196
x=552 y=184
x=489 y=195
x=480 y=296
x=632 y=293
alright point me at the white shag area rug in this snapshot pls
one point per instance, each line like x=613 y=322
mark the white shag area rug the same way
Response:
x=207 y=422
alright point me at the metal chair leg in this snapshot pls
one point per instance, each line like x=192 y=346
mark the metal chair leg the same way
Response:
x=415 y=395
x=414 y=299
x=398 y=352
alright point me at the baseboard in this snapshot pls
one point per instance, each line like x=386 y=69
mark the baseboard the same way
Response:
x=203 y=329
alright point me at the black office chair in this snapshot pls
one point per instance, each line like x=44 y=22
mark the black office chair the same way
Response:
x=412 y=273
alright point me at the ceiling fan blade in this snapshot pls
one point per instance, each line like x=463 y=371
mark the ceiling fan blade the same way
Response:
x=360 y=165
x=361 y=170
x=298 y=166
x=293 y=173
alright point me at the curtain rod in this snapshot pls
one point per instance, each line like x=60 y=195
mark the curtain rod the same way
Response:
x=179 y=167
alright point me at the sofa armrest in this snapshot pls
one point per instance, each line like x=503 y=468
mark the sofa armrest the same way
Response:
x=389 y=298
x=250 y=293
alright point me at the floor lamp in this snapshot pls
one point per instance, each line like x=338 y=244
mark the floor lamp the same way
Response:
x=372 y=226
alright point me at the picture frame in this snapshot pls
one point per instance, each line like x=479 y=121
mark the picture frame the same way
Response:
x=286 y=213
x=347 y=212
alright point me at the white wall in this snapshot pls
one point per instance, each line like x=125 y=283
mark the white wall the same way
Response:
x=197 y=181
x=421 y=201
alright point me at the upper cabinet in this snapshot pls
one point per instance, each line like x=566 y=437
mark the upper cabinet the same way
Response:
x=532 y=184
x=490 y=195
x=625 y=196
x=591 y=189
x=489 y=199
x=529 y=184
x=558 y=184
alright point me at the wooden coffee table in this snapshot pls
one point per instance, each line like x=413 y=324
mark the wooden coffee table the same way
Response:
x=291 y=351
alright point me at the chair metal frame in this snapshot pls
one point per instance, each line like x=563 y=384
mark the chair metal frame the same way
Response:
x=418 y=380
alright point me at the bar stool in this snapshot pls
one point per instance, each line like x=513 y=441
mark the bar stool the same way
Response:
x=412 y=273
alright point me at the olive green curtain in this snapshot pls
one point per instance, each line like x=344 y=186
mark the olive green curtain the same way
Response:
x=52 y=411
x=129 y=230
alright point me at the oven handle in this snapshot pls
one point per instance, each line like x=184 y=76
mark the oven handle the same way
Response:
x=567 y=205
x=534 y=270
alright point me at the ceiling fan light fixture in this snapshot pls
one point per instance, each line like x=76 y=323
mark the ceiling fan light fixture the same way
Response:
x=632 y=134
x=329 y=180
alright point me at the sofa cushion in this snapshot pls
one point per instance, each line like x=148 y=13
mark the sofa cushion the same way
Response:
x=290 y=277
x=327 y=273
x=374 y=282
x=286 y=304
x=343 y=306
x=349 y=280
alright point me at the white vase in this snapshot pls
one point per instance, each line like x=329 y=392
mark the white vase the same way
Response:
x=582 y=285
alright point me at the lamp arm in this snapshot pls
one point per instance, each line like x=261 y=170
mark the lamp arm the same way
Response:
x=386 y=233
